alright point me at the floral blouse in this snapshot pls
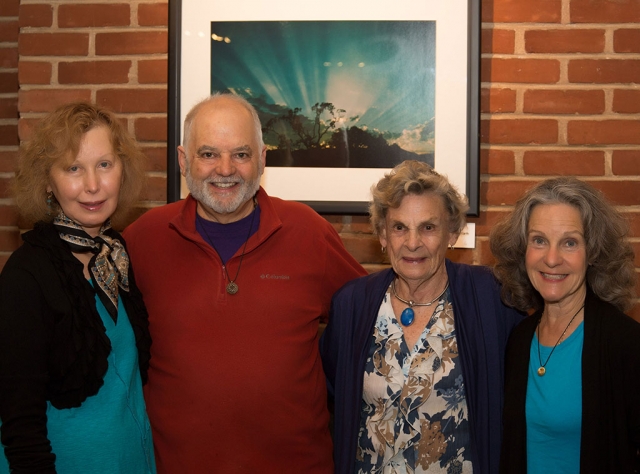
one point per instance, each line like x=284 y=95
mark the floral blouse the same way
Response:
x=414 y=415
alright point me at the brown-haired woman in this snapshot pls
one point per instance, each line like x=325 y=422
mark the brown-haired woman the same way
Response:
x=573 y=367
x=74 y=340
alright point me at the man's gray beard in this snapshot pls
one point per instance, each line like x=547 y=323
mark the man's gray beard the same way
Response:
x=200 y=193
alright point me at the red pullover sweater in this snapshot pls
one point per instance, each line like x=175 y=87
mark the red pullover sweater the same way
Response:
x=236 y=382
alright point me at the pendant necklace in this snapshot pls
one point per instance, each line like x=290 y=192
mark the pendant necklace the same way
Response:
x=541 y=369
x=232 y=286
x=408 y=315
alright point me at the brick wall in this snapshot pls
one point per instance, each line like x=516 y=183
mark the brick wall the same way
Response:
x=560 y=95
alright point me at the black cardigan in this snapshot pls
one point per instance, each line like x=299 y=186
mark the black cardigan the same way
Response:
x=610 y=436
x=53 y=345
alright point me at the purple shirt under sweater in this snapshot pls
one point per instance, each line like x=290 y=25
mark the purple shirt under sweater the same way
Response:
x=226 y=239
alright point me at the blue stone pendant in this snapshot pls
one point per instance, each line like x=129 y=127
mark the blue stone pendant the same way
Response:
x=407 y=317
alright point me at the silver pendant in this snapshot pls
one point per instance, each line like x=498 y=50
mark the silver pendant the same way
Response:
x=541 y=370
x=232 y=288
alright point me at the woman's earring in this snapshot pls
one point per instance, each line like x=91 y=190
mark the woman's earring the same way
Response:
x=384 y=249
x=451 y=246
x=49 y=201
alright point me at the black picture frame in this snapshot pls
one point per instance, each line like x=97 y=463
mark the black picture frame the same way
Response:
x=472 y=133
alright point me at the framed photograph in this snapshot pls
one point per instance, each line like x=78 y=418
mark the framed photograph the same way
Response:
x=344 y=94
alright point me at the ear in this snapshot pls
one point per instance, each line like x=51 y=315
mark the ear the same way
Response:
x=453 y=238
x=263 y=156
x=182 y=160
x=382 y=236
x=49 y=189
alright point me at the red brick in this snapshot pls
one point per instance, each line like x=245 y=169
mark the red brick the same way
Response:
x=8 y=58
x=620 y=193
x=8 y=215
x=93 y=15
x=487 y=220
x=496 y=162
x=8 y=82
x=34 y=72
x=634 y=223
x=564 y=163
x=8 y=162
x=36 y=15
x=604 y=71
x=155 y=190
x=8 y=108
x=545 y=101
x=604 y=11
x=364 y=248
x=53 y=44
x=626 y=101
x=564 y=41
x=626 y=163
x=26 y=126
x=94 y=72
x=519 y=131
x=495 y=100
x=153 y=71
x=4 y=187
x=46 y=100
x=153 y=14
x=497 y=41
x=504 y=192
x=521 y=11
x=151 y=129
x=9 y=239
x=133 y=100
x=9 y=7
x=9 y=31
x=156 y=158
x=603 y=132
x=539 y=71
x=486 y=257
x=626 y=40
x=141 y=42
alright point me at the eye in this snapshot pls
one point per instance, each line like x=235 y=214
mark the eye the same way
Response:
x=398 y=227
x=104 y=164
x=537 y=240
x=428 y=227
x=571 y=243
x=73 y=168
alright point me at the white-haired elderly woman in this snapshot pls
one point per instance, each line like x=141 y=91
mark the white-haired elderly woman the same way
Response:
x=414 y=354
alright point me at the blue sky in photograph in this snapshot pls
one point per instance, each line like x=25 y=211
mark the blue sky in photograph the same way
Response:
x=382 y=73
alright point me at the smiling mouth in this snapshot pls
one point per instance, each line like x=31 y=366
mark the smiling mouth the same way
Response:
x=223 y=185
x=557 y=277
x=92 y=206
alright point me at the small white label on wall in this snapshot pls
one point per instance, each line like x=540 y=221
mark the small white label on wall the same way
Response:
x=467 y=238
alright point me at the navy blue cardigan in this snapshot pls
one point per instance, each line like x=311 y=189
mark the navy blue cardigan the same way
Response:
x=483 y=324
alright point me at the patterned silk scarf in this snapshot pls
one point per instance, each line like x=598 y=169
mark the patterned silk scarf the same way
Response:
x=109 y=265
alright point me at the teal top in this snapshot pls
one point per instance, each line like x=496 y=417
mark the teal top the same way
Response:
x=110 y=431
x=554 y=407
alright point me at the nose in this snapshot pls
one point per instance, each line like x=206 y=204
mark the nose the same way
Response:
x=413 y=241
x=552 y=257
x=225 y=165
x=91 y=182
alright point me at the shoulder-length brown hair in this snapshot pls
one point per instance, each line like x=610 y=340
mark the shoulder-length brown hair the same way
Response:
x=415 y=177
x=56 y=139
x=610 y=273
